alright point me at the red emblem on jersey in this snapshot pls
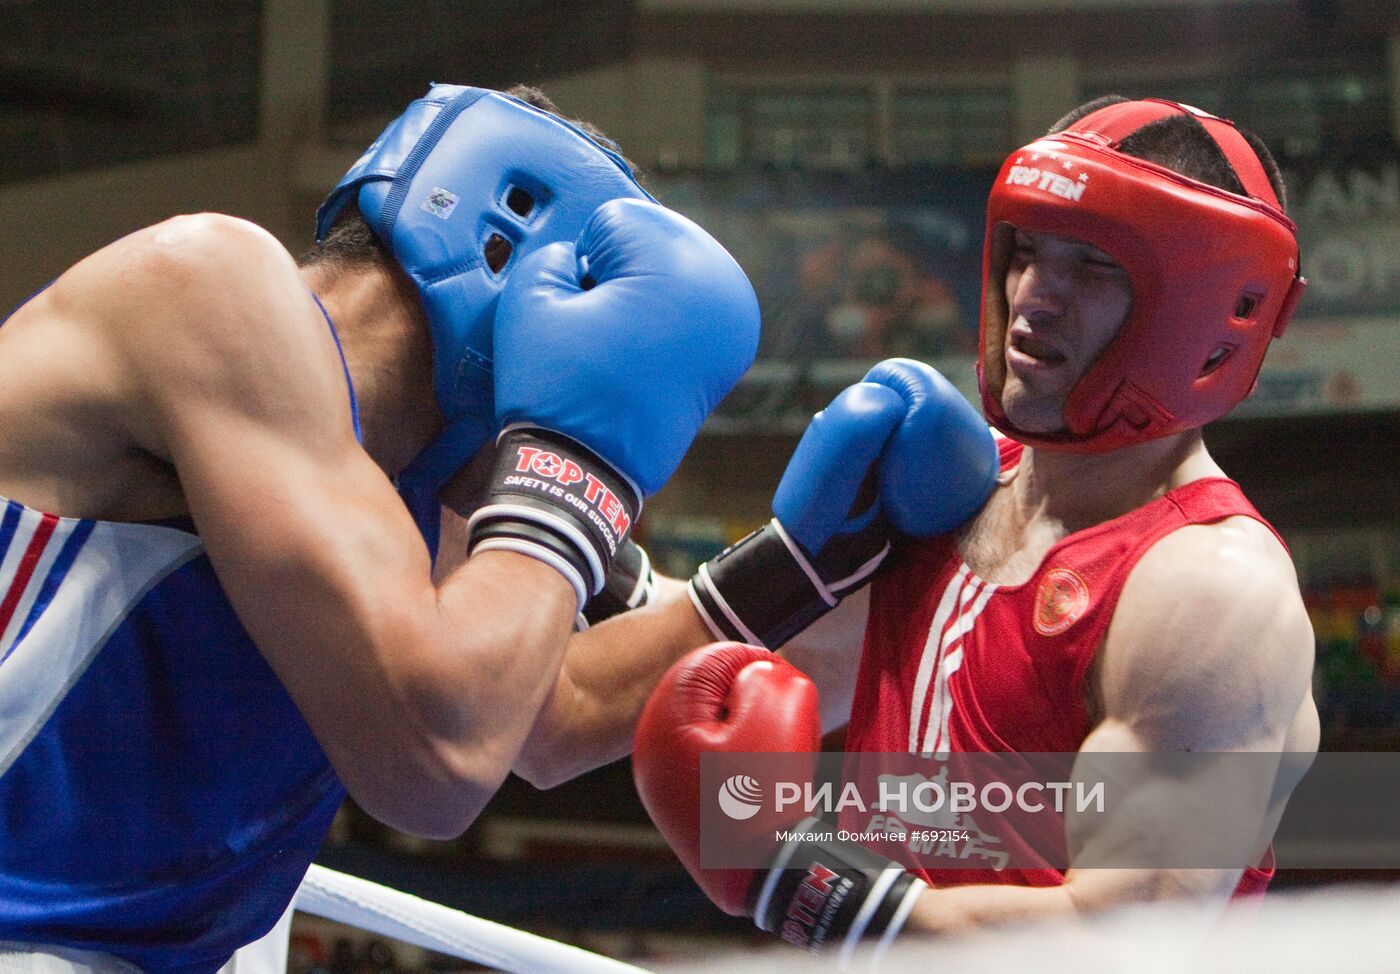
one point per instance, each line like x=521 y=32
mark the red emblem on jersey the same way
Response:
x=1060 y=601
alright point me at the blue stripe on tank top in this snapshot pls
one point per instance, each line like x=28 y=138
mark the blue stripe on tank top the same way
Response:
x=354 y=403
x=66 y=556
x=26 y=301
x=8 y=526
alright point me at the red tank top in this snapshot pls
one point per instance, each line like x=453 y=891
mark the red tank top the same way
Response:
x=956 y=664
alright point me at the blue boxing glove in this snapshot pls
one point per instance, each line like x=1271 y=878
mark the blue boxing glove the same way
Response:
x=901 y=451
x=609 y=354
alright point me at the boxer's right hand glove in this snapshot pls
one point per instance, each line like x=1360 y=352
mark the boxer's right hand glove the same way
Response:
x=608 y=356
x=900 y=451
x=733 y=698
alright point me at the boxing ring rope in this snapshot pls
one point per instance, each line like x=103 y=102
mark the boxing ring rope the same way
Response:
x=411 y=919
x=1293 y=933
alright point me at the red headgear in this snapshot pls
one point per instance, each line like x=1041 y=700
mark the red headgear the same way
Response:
x=1214 y=274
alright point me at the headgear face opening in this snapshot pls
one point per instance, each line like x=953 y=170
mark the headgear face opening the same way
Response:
x=1215 y=276
x=461 y=187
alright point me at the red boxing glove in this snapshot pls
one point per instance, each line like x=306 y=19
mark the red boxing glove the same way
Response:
x=814 y=893
x=723 y=697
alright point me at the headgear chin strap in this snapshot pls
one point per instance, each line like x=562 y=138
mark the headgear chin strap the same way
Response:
x=1214 y=274
x=463 y=173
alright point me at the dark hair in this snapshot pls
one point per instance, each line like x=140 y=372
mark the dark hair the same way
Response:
x=1182 y=144
x=351 y=242
x=538 y=99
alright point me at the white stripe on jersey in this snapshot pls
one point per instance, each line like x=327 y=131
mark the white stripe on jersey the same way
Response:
x=29 y=523
x=118 y=565
x=962 y=602
x=936 y=734
x=932 y=650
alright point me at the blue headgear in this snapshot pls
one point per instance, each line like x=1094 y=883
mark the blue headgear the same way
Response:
x=460 y=167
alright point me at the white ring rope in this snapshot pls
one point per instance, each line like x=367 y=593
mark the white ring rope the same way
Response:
x=391 y=913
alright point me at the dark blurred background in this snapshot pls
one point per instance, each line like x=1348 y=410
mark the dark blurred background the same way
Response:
x=843 y=151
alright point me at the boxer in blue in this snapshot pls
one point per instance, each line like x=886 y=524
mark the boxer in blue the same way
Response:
x=217 y=617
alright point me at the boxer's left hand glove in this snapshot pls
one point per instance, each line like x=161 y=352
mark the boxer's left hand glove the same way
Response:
x=608 y=356
x=736 y=698
x=901 y=451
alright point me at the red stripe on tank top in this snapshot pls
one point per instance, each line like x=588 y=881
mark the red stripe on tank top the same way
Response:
x=25 y=571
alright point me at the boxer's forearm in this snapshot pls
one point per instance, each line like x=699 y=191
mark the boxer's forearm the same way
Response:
x=608 y=672
x=1085 y=893
x=968 y=909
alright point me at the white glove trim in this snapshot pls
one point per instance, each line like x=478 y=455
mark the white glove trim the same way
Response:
x=646 y=583
x=911 y=896
x=795 y=550
x=873 y=899
x=770 y=881
x=862 y=573
x=539 y=553
x=559 y=524
x=715 y=630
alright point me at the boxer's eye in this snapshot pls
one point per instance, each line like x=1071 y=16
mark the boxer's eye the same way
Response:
x=498 y=251
x=519 y=201
x=1245 y=307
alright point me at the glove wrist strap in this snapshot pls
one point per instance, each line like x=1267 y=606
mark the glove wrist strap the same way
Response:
x=630 y=584
x=555 y=500
x=828 y=895
x=764 y=589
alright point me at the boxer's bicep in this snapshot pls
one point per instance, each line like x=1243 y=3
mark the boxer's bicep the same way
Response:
x=1200 y=679
x=311 y=552
x=1210 y=648
x=322 y=562
x=244 y=393
x=419 y=695
x=1179 y=826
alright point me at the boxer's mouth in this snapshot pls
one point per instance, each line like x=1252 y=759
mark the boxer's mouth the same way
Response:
x=1037 y=350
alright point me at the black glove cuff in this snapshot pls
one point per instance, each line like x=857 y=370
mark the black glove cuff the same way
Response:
x=537 y=539
x=764 y=589
x=554 y=499
x=630 y=584
x=826 y=893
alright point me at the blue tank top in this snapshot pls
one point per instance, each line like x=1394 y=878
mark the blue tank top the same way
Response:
x=160 y=794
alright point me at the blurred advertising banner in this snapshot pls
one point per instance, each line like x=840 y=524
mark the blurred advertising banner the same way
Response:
x=851 y=268
x=1321 y=365
x=851 y=265
x=1325 y=365
x=1032 y=813
x=872 y=264
x=1349 y=233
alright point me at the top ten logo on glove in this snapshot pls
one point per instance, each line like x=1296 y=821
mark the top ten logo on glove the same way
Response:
x=604 y=508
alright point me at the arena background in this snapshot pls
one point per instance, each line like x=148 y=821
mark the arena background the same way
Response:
x=842 y=150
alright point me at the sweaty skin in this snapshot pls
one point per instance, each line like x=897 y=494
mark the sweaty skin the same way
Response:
x=198 y=377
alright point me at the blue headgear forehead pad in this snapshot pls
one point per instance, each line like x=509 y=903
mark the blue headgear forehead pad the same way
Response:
x=460 y=188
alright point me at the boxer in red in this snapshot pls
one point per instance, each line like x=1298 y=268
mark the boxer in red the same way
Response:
x=1090 y=582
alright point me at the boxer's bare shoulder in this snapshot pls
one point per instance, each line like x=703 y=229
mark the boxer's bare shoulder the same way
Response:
x=193 y=314
x=1210 y=646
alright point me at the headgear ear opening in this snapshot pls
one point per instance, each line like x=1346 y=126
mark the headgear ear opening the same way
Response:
x=1216 y=359
x=1214 y=274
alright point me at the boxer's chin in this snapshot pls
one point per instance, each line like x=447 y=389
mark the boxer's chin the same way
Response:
x=1033 y=412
